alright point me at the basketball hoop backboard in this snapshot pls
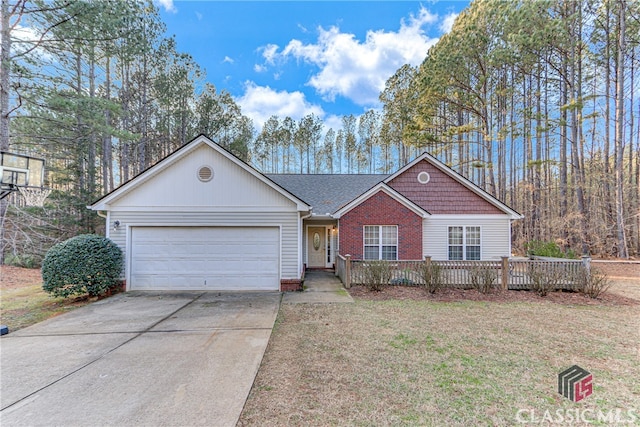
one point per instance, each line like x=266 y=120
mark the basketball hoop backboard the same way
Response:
x=22 y=173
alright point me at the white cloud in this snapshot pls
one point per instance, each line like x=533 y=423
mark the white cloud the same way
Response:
x=25 y=38
x=269 y=53
x=261 y=102
x=332 y=121
x=447 y=22
x=258 y=68
x=228 y=59
x=199 y=16
x=356 y=69
x=167 y=5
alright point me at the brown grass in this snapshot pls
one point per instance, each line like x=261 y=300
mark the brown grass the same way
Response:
x=407 y=362
x=24 y=303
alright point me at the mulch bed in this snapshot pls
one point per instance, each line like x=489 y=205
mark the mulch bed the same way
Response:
x=451 y=295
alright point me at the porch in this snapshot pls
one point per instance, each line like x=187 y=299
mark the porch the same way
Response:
x=507 y=273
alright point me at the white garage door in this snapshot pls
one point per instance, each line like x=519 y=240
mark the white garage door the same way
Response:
x=205 y=258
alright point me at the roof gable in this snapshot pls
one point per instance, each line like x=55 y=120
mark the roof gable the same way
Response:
x=446 y=192
x=173 y=182
x=382 y=187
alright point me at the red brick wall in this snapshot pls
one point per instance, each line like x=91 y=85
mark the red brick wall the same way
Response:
x=290 y=285
x=442 y=194
x=381 y=209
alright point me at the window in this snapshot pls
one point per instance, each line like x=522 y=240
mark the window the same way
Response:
x=472 y=243
x=456 y=247
x=464 y=243
x=381 y=242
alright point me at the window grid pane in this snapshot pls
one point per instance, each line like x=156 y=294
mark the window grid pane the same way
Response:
x=455 y=253
x=371 y=235
x=389 y=235
x=464 y=243
x=455 y=235
x=389 y=253
x=473 y=236
x=380 y=242
x=473 y=253
x=371 y=252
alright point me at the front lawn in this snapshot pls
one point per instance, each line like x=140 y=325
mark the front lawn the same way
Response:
x=24 y=303
x=406 y=362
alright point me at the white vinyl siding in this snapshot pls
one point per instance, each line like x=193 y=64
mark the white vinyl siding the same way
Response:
x=380 y=242
x=495 y=235
x=178 y=187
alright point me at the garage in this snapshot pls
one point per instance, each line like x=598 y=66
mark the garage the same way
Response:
x=205 y=258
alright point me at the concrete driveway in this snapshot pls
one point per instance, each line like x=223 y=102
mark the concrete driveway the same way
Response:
x=157 y=359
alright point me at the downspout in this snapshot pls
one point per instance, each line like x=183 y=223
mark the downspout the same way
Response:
x=106 y=225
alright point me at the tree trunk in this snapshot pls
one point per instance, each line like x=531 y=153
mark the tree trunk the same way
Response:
x=107 y=152
x=563 y=149
x=607 y=124
x=5 y=69
x=619 y=167
x=577 y=155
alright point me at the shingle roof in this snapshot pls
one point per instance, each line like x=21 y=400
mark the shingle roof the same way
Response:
x=326 y=193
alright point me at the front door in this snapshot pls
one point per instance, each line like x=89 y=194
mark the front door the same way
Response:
x=316 y=247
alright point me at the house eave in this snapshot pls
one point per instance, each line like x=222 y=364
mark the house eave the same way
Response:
x=322 y=216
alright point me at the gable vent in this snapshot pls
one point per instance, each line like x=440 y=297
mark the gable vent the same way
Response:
x=205 y=173
x=423 y=177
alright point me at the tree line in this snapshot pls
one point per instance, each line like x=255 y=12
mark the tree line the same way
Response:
x=533 y=101
x=536 y=102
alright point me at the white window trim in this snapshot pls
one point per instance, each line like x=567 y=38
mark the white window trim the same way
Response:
x=464 y=241
x=380 y=245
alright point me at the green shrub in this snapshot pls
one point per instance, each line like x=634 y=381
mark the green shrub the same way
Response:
x=483 y=278
x=431 y=277
x=85 y=264
x=377 y=275
x=24 y=261
x=548 y=249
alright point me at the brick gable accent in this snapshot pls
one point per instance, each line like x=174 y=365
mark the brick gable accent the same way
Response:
x=381 y=209
x=442 y=194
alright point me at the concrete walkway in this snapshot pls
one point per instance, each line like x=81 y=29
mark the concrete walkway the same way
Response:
x=320 y=286
x=138 y=359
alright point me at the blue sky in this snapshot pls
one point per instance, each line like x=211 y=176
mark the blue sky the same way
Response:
x=292 y=58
